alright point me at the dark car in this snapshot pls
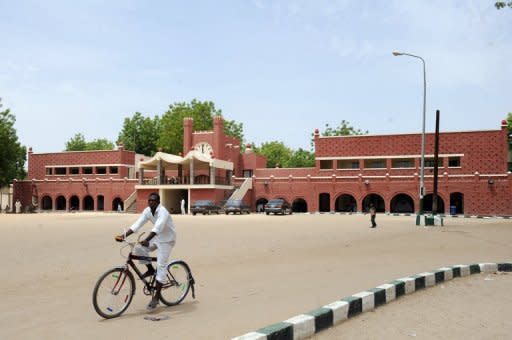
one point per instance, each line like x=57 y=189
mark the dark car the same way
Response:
x=236 y=207
x=204 y=207
x=278 y=206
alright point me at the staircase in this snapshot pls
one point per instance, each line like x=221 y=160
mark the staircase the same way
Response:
x=129 y=203
x=239 y=193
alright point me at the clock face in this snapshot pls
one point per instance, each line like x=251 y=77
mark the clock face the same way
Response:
x=204 y=148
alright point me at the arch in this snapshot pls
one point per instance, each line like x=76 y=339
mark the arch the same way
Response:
x=402 y=203
x=116 y=202
x=100 y=203
x=60 y=203
x=300 y=205
x=74 y=203
x=46 y=203
x=260 y=204
x=456 y=203
x=324 y=202
x=377 y=201
x=427 y=203
x=88 y=203
x=345 y=203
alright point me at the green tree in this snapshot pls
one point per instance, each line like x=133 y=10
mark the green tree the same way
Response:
x=171 y=136
x=278 y=154
x=100 y=144
x=301 y=159
x=502 y=4
x=171 y=133
x=12 y=154
x=140 y=134
x=344 y=129
x=234 y=129
x=78 y=143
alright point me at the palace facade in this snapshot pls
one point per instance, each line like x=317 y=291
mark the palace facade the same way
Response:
x=349 y=173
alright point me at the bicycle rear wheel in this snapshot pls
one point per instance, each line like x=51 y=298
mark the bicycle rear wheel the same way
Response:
x=113 y=293
x=177 y=284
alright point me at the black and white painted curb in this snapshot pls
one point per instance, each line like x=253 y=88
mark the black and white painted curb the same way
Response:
x=409 y=214
x=305 y=325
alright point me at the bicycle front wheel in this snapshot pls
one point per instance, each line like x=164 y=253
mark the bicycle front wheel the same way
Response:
x=177 y=284
x=113 y=293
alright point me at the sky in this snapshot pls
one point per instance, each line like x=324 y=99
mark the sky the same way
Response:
x=282 y=68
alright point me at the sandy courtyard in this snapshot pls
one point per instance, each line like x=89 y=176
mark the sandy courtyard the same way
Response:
x=251 y=271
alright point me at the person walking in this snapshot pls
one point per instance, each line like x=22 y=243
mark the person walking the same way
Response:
x=183 y=211
x=373 y=214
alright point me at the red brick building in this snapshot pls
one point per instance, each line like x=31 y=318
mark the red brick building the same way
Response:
x=350 y=172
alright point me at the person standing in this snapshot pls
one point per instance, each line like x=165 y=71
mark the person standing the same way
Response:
x=183 y=211
x=17 y=205
x=373 y=214
x=161 y=238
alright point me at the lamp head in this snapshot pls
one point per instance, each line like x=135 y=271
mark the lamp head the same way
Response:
x=396 y=54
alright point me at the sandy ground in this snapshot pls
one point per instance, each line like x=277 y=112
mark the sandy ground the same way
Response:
x=251 y=271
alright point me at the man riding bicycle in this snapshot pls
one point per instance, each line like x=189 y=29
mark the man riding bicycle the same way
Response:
x=161 y=237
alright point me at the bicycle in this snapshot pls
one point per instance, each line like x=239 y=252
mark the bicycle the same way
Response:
x=115 y=289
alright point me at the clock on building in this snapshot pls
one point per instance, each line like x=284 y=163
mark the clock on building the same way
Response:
x=204 y=148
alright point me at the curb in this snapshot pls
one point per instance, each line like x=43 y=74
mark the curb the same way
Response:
x=305 y=325
x=410 y=214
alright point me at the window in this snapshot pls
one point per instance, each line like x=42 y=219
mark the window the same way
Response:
x=87 y=170
x=375 y=163
x=114 y=170
x=326 y=164
x=101 y=170
x=247 y=173
x=454 y=162
x=74 y=171
x=60 y=171
x=49 y=171
x=348 y=164
x=429 y=162
x=402 y=163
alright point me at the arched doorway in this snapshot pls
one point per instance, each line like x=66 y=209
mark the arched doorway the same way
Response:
x=377 y=201
x=456 y=203
x=46 y=203
x=345 y=203
x=324 y=202
x=88 y=203
x=100 y=201
x=299 y=205
x=74 y=203
x=260 y=204
x=427 y=204
x=402 y=203
x=61 y=203
x=116 y=203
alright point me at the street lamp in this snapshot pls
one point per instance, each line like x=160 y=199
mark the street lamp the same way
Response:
x=422 y=169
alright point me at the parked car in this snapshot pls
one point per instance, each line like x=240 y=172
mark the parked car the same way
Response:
x=204 y=207
x=236 y=207
x=278 y=206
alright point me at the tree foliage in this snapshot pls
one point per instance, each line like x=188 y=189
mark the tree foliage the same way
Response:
x=12 y=154
x=140 y=134
x=278 y=154
x=502 y=4
x=78 y=143
x=171 y=136
x=301 y=159
x=344 y=129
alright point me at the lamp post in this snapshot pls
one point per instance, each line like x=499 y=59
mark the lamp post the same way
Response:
x=422 y=168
